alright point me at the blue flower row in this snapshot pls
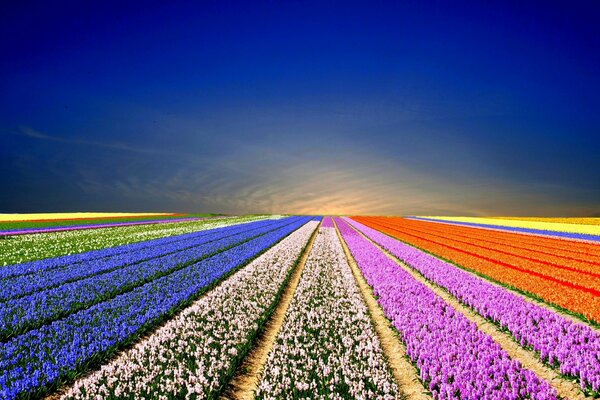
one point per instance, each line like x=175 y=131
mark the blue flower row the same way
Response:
x=26 y=284
x=20 y=315
x=62 y=261
x=43 y=356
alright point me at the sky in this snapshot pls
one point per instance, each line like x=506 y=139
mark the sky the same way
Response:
x=336 y=107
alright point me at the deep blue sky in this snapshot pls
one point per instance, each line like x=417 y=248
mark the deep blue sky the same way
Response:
x=418 y=107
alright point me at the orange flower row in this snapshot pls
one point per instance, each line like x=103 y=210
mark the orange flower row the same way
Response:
x=559 y=246
x=477 y=240
x=575 y=294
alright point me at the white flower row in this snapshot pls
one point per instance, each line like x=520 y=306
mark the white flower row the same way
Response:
x=24 y=248
x=194 y=354
x=278 y=216
x=327 y=347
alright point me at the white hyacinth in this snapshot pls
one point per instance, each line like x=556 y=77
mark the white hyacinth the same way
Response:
x=327 y=347
x=193 y=354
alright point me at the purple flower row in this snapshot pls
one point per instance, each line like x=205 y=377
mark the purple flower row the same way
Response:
x=575 y=347
x=455 y=360
x=29 y=312
x=327 y=222
x=47 y=278
x=41 y=357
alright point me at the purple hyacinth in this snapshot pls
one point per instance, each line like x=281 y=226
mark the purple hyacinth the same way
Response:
x=574 y=347
x=455 y=360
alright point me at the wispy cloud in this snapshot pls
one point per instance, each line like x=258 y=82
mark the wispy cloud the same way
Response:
x=35 y=134
x=267 y=174
x=265 y=180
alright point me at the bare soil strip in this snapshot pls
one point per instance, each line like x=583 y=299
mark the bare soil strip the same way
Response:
x=566 y=388
x=244 y=383
x=404 y=372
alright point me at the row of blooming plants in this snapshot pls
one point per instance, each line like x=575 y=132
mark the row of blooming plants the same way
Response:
x=48 y=353
x=82 y=285
x=123 y=254
x=21 y=249
x=455 y=360
x=194 y=354
x=327 y=347
x=560 y=278
x=574 y=227
x=573 y=347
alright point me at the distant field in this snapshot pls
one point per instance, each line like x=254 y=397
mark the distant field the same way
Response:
x=74 y=215
x=533 y=225
x=69 y=221
x=23 y=248
x=579 y=221
x=298 y=307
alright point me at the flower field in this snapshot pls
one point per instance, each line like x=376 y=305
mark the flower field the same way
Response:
x=202 y=345
x=75 y=216
x=23 y=248
x=327 y=347
x=271 y=307
x=576 y=228
x=75 y=227
x=561 y=274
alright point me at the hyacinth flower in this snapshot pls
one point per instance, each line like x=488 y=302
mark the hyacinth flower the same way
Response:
x=455 y=360
x=327 y=346
x=45 y=355
x=571 y=346
x=31 y=311
x=206 y=340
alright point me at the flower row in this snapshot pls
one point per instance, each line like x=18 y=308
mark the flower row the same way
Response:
x=575 y=250
x=25 y=248
x=193 y=354
x=562 y=220
x=546 y=282
x=30 y=231
x=327 y=222
x=558 y=230
x=327 y=347
x=52 y=273
x=565 y=269
x=577 y=257
x=56 y=351
x=575 y=347
x=455 y=360
x=20 y=315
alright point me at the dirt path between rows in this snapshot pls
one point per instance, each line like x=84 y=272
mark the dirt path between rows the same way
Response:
x=404 y=372
x=566 y=389
x=245 y=382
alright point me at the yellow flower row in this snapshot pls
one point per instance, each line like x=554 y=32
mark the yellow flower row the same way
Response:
x=73 y=215
x=579 y=221
x=528 y=224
